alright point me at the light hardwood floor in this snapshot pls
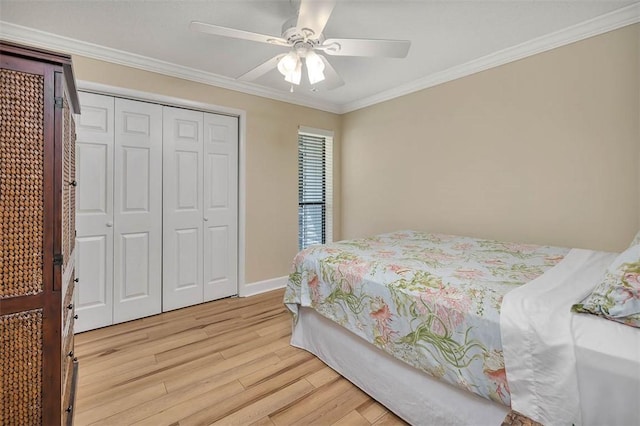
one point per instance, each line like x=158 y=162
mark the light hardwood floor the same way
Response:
x=225 y=362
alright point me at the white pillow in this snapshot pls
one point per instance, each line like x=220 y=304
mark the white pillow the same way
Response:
x=617 y=297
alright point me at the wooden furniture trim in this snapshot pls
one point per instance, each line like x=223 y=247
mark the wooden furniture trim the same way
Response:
x=54 y=58
x=70 y=408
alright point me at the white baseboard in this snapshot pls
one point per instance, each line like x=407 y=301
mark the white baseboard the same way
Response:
x=251 y=289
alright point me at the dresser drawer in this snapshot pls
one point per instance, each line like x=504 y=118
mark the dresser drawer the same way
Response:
x=67 y=356
x=68 y=308
x=70 y=382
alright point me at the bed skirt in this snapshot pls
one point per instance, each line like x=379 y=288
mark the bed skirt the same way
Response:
x=411 y=394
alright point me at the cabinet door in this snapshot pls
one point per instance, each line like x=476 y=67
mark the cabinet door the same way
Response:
x=182 y=213
x=94 y=212
x=137 y=275
x=220 y=206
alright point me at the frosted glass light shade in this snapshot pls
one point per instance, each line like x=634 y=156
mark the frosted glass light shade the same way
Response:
x=315 y=67
x=290 y=67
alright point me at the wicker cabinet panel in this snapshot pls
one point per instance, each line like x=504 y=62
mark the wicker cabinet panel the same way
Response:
x=68 y=184
x=72 y=187
x=66 y=174
x=21 y=357
x=21 y=183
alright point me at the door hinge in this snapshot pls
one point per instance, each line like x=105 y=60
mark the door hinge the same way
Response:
x=57 y=259
x=57 y=101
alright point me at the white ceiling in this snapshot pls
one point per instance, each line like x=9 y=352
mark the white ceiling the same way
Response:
x=445 y=36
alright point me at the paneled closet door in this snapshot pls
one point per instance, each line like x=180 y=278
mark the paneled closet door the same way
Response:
x=94 y=212
x=220 y=206
x=137 y=290
x=183 y=208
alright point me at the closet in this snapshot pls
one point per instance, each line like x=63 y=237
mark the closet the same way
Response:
x=157 y=208
x=119 y=210
x=200 y=207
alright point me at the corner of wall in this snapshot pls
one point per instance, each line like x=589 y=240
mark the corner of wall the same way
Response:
x=258 y=287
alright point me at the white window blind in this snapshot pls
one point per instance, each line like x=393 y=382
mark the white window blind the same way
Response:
x=314 y=189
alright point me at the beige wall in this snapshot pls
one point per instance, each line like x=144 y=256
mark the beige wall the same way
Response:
x=271 y=158
x=541 y=150
x=544 y=150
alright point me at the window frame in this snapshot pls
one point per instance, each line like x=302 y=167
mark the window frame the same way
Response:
x=327 y=135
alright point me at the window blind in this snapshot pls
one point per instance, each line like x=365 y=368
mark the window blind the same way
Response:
x=312 y=190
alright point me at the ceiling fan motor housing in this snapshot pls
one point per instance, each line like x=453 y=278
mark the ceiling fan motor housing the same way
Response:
x=300 y=38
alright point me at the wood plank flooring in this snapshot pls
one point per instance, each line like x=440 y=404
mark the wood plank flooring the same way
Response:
x=227 y=362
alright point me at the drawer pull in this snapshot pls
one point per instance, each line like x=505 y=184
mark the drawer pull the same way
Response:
x=70 y=306
x=70 y=354
x=69 y=409
x=75 y=359
x=73 y=183
x=75 y=316
x=76 y=280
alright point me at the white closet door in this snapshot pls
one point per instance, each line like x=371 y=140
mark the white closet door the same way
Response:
x=183 y=215
x=220 y=206
x=94 y=212
x=137 y=290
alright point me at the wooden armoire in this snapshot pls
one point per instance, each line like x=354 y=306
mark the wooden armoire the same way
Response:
x=37 y=236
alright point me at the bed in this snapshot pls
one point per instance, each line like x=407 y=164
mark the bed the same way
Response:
x=430 y=324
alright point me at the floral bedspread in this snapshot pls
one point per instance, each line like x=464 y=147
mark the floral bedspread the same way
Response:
x=430 y=300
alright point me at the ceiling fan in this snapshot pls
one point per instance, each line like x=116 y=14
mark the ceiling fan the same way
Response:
x=303 y=36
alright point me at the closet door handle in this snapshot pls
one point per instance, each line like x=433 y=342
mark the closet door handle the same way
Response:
x=109 y=224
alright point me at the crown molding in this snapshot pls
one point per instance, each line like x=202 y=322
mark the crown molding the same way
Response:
x=45 y=40
x=608 y=22
x=599 y=25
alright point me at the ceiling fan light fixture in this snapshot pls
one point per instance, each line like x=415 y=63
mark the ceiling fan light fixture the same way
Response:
x=291 y=67
x=295 y=76
x=303 y=34
x=315 y=67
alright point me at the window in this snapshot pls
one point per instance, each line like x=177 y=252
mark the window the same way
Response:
x=315 y=195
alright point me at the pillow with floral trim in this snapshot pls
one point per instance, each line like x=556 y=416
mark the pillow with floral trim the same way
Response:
x=617 y=297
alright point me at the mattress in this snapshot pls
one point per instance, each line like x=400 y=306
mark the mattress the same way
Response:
x=564 y=367
x=431 y=301
x=608 y=370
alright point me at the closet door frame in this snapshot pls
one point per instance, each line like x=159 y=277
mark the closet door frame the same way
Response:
x=131 y=94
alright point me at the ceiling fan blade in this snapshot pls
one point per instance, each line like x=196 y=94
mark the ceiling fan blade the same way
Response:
x=332 y=79
x=203 y=27
x=314 y=14
x=261 y=69
x=364 y=47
